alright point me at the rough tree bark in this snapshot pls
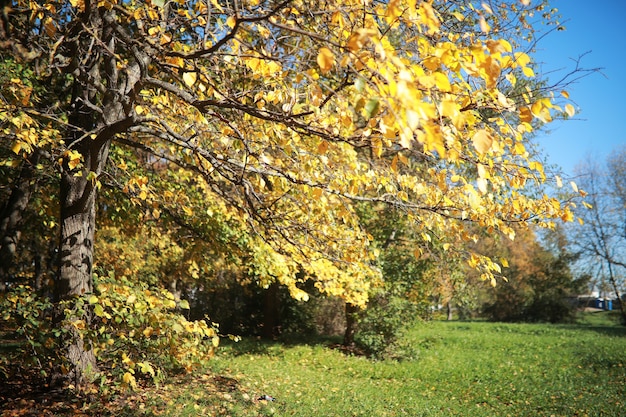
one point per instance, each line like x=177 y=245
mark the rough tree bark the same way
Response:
x=78 y=213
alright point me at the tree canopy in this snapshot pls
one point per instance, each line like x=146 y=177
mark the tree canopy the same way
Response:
x=271 y=119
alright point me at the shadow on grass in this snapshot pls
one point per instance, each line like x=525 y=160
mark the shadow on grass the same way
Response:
x=259 y=346
x=617 y=331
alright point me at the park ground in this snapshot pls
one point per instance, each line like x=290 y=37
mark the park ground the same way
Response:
x=444 y=369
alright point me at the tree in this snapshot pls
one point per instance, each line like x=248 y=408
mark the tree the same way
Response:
x=539 y=283
x=282 y=114
x=602 y=237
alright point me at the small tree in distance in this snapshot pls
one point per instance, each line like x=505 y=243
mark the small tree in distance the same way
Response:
x=540 y=284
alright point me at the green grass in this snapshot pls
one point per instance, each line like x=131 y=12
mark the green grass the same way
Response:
x=458 y=369
x=461 y=369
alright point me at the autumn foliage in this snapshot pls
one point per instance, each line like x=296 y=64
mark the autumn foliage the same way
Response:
x=257 y=125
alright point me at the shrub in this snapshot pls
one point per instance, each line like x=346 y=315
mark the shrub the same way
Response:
x=140 y=331
x=382 y=325
x=29 y=317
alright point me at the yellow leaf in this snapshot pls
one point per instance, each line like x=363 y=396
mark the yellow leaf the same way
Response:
x=49 y=27
x=74 y=158
x=189 y=78
x=393 y=11
x=569 y=109
x=358 y=39
x=377 y=146
x=442 y=82
x=450 y=108
x=527 y=71
x=231 y=21
x=522 y=59
x=482 y=185
x=322 y=147
x=325 y=59
x=17 y=146
x=99 y=311
x=128 y=379
x=565 y=94
x=459 y=16
x=93 y=299
x=574 y=186
x=317 y=192
x=567 y=216
x=525 y=115
x=483 y=172
x=482 y=141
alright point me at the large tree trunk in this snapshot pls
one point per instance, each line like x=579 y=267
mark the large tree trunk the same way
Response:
x=75 y=279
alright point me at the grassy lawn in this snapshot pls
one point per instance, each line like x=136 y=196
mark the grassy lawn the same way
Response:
x=459 y=369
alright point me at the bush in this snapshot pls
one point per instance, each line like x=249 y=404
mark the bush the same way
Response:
x=382 y=325
x=140 y=331
x=29 y=317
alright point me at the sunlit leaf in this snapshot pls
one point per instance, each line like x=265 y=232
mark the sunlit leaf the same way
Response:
x=129 y=380
x=190 y=78
x=325 y=59
x=484 y=26
x=482 y=141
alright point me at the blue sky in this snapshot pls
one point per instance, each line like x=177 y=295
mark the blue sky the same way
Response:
x=597 y=28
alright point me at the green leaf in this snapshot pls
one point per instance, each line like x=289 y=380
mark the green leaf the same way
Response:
x=359 y=84
x=184 y=304
x=98 y=310
x=371 y=108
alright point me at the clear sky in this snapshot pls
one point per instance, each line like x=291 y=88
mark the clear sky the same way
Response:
x=597 y=29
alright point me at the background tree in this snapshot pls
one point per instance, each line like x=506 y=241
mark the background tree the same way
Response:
x=602 y=237
x=539 y=284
